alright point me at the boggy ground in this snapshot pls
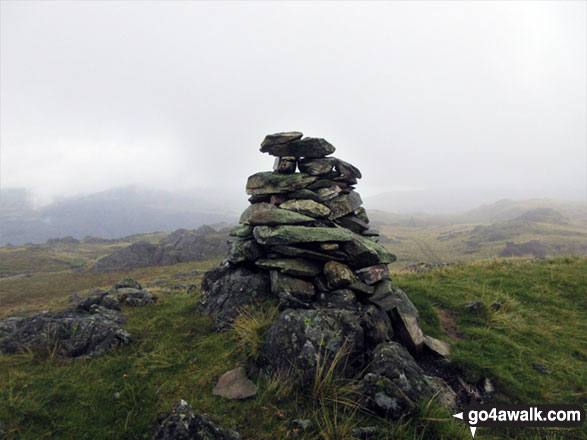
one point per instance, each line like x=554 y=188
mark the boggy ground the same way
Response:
x=533 y=348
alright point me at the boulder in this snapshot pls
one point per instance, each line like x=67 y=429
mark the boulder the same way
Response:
x=280 y=138
x=343 y=204
x=226 y=290
x=184 y=424
x=269 y=214
x=277 y=183
x=394 y=384
x=234 y=384
x=301 y=341
x=307 y=207
x=306 y=147
x=298 y=267
x=87 y=329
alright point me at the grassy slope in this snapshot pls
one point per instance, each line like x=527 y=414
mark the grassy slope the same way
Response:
x=449 y=243
x=176 y=354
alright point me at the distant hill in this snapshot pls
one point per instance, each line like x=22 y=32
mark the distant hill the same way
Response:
x=108 y=214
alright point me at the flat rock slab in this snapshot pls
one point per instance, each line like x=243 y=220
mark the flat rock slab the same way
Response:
x=307 y=147
x=277 y=235
x=269 y=214
x=347 y=170
x=405 y=316
x=317 y=167
x=280 y=138
x=343 y=204
x=363 y=252
x=268 y=182
x=307 y=207
x=234 y=384
x=292 y=251
x=297 y=267
x=436 y=346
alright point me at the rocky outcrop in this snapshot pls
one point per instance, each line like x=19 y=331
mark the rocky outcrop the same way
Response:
x=184 y=424
x=178 y=247
x=305 y=241
x=89 y=328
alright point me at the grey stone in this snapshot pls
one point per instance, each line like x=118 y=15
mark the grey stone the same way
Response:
x=346 y=170
x=280 y=138
x=87 y=329
x=277 y=183
x=328 y=193
x=242 y=231
x=405 y=316
x=338 y=299
x=306 y=147
x=301 y=340
x=240 y=251
x=226 y=290
x=377 y=326
x=317 y=167
x=285 y=235
x=269 y=214
x=353 y=223
x=362 y=252
x=292 y=251
x=362 y=288
x=298 y=267
x=234 y=384
x=307 y=207
x=184 y=424
x=394 y=384
x=436 y=346
x=292 y=292
x=134 y=297
x=343 y=204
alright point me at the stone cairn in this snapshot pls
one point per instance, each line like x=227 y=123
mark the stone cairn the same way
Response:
x=305 y=241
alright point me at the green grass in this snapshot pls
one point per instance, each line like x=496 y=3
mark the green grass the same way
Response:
x=176 y=354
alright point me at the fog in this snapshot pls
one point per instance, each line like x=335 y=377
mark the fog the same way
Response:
x=442 y=98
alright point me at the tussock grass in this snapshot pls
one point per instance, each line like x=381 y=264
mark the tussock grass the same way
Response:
x=251 y=326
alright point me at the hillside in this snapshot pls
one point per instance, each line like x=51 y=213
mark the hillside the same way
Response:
x=532 y=348
x=109 y=214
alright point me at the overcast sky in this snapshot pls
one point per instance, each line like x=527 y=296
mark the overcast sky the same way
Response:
x=487 y=96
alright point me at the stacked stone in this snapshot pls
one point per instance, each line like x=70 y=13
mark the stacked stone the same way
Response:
x=305 y=240
x=308 y=228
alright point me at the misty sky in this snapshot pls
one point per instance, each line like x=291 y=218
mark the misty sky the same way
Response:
x=487 y=96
